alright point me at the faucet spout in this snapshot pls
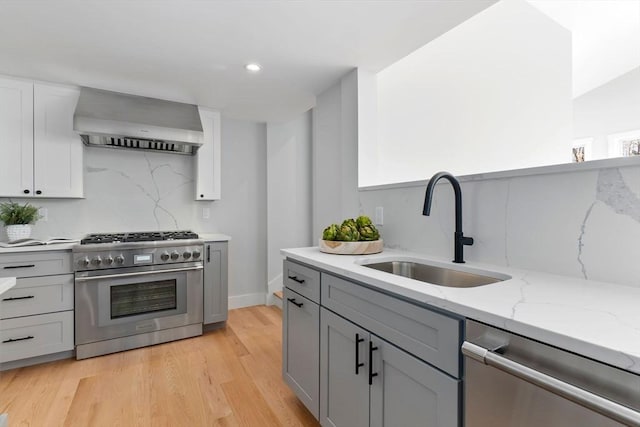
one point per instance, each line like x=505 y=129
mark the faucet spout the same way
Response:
x=459 y=240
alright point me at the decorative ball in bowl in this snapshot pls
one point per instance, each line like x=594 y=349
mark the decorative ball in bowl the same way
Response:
x=353 y=237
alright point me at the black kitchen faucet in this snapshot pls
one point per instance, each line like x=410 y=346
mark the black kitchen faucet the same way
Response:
x=458 y=240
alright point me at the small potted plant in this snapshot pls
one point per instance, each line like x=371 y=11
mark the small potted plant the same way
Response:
x=17 y=219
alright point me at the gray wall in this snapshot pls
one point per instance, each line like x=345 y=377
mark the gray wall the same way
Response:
x=583 y=224
x=288 y=192
x=136 y=191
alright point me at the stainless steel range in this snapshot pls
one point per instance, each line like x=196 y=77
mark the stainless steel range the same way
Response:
x=136 y=289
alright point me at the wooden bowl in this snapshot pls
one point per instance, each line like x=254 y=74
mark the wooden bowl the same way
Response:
x=351 y=248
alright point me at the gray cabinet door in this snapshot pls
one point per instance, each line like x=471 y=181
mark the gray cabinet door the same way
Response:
x=344 y=395
x=215 y=292
x=301 y=348
x=408 y=392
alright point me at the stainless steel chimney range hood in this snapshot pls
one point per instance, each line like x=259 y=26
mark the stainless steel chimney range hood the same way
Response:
x=116 y=120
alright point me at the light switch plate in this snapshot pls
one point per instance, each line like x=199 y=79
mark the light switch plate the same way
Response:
x=379 y=216
x=206 y=213
x=44 y=214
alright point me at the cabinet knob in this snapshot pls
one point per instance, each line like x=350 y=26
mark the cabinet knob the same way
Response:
x=26 y=191
x=201 y=196
x=38 y=192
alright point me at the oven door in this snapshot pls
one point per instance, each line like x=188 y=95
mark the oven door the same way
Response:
x=129 y=302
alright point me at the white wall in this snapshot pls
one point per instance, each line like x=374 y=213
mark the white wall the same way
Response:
x=492 y=94
x=288 y=192
x=335 y=154
x=137 y=191
x=584 y=224
x=608 y=109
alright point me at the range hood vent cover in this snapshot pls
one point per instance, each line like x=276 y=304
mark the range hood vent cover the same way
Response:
x=117 y=120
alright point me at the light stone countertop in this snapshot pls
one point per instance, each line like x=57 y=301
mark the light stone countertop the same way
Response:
x=6 y=283
x=39 y=248
x=214 y=237
x=595 y=319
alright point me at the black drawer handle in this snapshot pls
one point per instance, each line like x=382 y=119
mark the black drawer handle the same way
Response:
x=208 y=253
x=30 y=337
x=9 y=267
x=18 y=298
x=293 y=301
x=371 y=373
x=358 y=364
x=295 y=279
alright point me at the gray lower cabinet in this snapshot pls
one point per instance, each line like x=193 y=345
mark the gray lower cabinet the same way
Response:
x=344 y=369
x=366 y=381
x=300 y=348
x=215 y=292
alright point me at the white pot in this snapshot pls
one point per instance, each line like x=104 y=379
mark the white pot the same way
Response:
x=18 y=231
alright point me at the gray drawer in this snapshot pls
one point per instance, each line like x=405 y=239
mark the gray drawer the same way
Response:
x=31 y=264
x=32 y=336
x=38 y=295
x=430 y=336
x=302 y=279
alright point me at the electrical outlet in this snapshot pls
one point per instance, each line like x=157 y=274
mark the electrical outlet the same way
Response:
x=44 y=214
x=206 y=213
x=379 y=217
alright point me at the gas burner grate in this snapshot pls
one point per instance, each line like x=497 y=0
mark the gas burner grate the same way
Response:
x=145 y=236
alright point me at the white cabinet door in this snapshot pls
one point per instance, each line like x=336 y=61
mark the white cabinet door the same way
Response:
x=16 y=138
x=57 y=147
x=208 y=157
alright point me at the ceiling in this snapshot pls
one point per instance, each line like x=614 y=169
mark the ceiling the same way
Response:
x=195 y=51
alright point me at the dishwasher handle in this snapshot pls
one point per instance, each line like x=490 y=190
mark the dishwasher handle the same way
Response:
x=608 y=408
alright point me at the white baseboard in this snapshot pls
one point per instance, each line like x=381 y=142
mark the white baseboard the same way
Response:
x=247 y=300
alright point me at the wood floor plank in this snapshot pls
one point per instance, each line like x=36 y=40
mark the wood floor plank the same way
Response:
x=229 y=377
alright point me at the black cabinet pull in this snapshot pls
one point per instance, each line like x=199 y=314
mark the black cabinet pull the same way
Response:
x=26 y=191
x=208 y=253
x=30 y=337
x=295 y=279
x=18 y=298
x=358 y=364
x=371 y=373
x=38 y=192
x=9 y=267
x=293 y=301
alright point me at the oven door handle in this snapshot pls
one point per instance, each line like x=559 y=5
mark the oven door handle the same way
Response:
x=612 y=410
x=140 y=273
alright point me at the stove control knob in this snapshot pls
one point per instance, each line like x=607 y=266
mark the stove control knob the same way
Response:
x=196 y=254
x=175 y=255
x=96 y=261
x=84 y=262
x=186 y=255
x=108 y=260
x=120 y=259
x=164 y=256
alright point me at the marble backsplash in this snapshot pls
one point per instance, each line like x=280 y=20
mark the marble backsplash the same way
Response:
x=582 y=224
x=126 y=191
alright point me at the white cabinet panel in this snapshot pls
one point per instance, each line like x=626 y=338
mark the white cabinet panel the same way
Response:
x=208 y=157
x=57 y=147
x=16 y=138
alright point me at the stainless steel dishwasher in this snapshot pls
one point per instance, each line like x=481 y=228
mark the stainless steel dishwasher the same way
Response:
x=512 y=381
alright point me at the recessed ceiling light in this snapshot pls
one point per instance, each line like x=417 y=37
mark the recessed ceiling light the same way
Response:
x=253 y=67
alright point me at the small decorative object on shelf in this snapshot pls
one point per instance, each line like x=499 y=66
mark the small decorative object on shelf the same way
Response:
x=353 y=237
x=17 y=219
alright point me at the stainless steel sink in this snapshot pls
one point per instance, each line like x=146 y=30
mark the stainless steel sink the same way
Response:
x=435 y=275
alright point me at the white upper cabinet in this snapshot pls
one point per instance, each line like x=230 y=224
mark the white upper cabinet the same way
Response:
x=16 y=138
x=57 y=147
x=208 y=157
x=40 y=154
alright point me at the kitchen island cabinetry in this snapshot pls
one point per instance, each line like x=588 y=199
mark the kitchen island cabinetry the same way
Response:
x=36 y=315
x=383 y=361
x=215 y=292
x=42 y=154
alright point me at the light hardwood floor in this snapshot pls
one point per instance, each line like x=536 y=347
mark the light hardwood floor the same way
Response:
x=227 y=377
